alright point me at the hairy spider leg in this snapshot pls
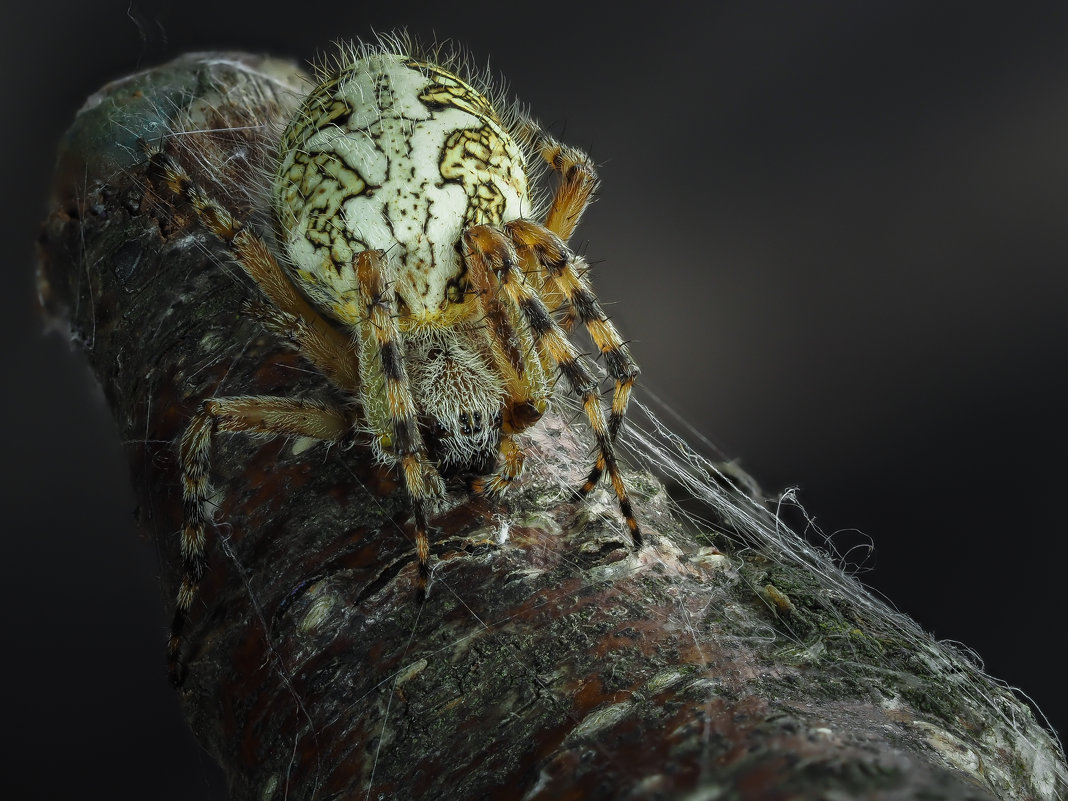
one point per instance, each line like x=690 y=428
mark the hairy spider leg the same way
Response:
x=289 y=315
x=327 y=348
x=557 y=265
x=254 y=416
x=574 y=193
x=378 y=325
x=564 y=274
x=517 y=359
x=486 y=248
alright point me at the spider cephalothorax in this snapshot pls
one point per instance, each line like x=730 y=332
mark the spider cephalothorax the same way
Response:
x=411 y=278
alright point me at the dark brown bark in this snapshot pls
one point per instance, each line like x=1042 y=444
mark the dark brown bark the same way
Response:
x=550 y=661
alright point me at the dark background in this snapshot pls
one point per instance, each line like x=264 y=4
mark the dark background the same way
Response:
x=835 y=232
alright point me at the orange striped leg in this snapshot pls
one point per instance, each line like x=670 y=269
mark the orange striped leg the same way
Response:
x=564 y=275
x=574 y=193
x=320 y=342
x=264 y=417
x=510 y=469
x=489 y=249
x=517 y=360
x=404 y=440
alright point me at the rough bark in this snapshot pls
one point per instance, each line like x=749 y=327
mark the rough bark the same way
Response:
x=551 y=661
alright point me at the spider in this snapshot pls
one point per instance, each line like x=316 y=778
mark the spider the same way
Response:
x=410 y=277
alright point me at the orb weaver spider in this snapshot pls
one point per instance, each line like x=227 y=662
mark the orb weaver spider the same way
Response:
x=410 y=277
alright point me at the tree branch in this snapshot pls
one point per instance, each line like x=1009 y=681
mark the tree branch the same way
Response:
x=725 y=660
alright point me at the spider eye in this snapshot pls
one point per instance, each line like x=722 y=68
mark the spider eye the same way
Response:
x=471 y=423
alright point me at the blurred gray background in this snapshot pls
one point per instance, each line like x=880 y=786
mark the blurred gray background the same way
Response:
x=835 y=233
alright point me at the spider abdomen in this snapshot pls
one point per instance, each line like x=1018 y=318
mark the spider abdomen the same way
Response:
x=401 y=156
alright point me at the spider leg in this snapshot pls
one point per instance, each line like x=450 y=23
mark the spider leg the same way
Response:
x=322 y=343
x=561 y=273
x=334 y=356
x=379 y=328
x=525 y=377
x=254 y=416
x=578 y=182
x=488 y=249
x=573 y=195
x=564 y=278
x=510 y=469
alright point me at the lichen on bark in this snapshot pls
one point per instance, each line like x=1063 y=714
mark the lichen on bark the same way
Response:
x=724 y=660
